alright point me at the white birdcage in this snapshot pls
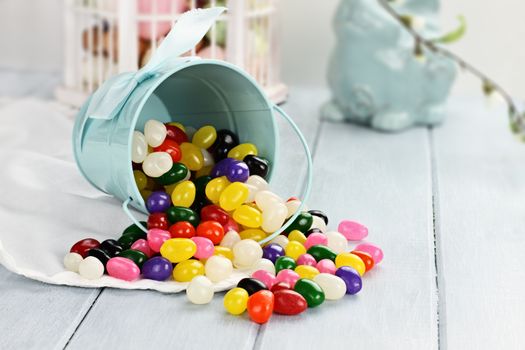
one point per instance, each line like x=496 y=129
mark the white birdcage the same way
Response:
x=107 y=37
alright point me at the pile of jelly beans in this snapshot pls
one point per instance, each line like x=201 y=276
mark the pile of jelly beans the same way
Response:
x=209 y=205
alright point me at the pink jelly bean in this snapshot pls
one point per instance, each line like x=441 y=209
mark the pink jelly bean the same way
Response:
x=375 y=252
x=122 y=268
x=287 y=276
x=326 y=266
x=306 y=259
x=142 y=246
x=205 y=247
x=353 y=231
x=265 y=277
x=157 y=237
x=315 y=238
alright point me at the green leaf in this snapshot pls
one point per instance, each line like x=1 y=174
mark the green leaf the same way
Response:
x=454 y=35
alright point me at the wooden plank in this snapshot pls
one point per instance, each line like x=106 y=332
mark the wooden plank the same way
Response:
x=481 y=182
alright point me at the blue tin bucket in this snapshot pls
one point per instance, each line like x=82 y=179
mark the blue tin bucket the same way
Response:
x=191 y=91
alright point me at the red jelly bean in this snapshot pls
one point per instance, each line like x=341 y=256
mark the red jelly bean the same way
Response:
x=289 y=302
x=280 y=286
x=211 y=230
x=182 y=229
x=172 y=148
x=158 y=220
x=260 y=306
x=231 y=226
x=215 y=213
x=176 y=134
x=83 y=246
x=367 y=259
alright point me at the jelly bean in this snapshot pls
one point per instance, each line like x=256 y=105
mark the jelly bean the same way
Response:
x=258 y=182
x=127 y=240
x=236 y=301
x=215 y=187
x=156 y=238
x=184 y=194
x=287 y=276
x=334 y=287
x=225 y=141
x=353 y=231
x=294 y=249
x=122 y=268
x=233 y=196
x=177 y=173
x=319 y=214
x=83 y=246
x=218 y=268
x=140 y=179
x=91 y=268
x=267 y=199
x=240 y=151
x=285 y=263
x=320 y=252
x=265 y=277
x=230 y=238
x=208 y=163
x=312 y=230
x=248 y=216
x=281 y=240
x=311 y=291
x=306 y=271
x=176 y=134
x=253 y=233
x=251 y=285
x=158 y=201
x=375 y=252
x=186 y=270
x=200 y=184
x=223 y=251
x=178 y=125
x=326 y=266
x=280 y=286
x=337 y=242
x=182 y=229
x=204 y=137
x=158 y=220
x=191 y=156
x=135 y=229
x=157 y=268
x=200 y=290
x=211 y=230
x=274 y=217
x=246 y=253
x=205 y=247
x=367 y=259
x=100 y=255
x=257 y=165
x=178 y=249
x=111 y=247
x=138 y=257
x=176 y=214
x=264 y=264
x=221 y=168
x=252 y=191
x=71 y=261
x=215 y=213
x=273 y=251
x=302 y=222
x=289 y=302
x=145 y=194
x=298 y=236
x=237 y=172
x=260 y=306
x=139 y=147
x=142 y=246
x=351 y=278
x=292 y=207
x=157 y=164
x=315 y=239
x=172 y=148
x=306 y=259
x=352 y=260
x=231 y=226
x=155 y=132
x=318 y=222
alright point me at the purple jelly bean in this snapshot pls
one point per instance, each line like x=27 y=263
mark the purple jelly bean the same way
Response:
x=158 y=202
x=273 y=251
x=157 y=268
x=351 y=278
x=238 y=172
x=221 y=167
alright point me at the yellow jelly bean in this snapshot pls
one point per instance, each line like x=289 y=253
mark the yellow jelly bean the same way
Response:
x=204 y=137
x=178 y=249
x=253 y=233
x=236 y=301
x=233 y=196
x=223 y=251
x=191 y=156
x=306 y=271
x=204 y=171
x=215 y=187
x=240 y=151
x=248 y=216
x=294 y=249
x=352 y=260
x=141 y=180
x=145 y=194
x=298 y=236
x=184 y=194
x=186 y=270
x=178 y=125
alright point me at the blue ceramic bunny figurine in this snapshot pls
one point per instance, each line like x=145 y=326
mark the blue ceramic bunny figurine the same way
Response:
x=374 y=75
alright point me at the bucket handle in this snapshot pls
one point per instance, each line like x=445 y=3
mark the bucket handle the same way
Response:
x=304 y=196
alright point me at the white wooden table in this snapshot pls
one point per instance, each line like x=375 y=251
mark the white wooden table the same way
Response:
x=447 y=205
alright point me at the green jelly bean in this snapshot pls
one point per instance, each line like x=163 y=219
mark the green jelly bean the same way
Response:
x=136 y=256
x=177 y=173
x=127 y=239
x=135 y=228
x=283 y=263
x=200 y=184
x=176 y=214
x=320 y=252
x=302 y=223
x=311 y=291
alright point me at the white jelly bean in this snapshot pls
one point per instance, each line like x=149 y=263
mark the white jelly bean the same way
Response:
x=208 y=158
x=292 y=206
x=139 y=147
x=337 y=242
x=246 y=253
x=263 y=264
x=218 y=268
x=334 y=287
x=91 y=268
x=157 y=164
x=266 y=199
x=273 y=217
x=280 y=240
x=155 y=132
x=257 y=181
x=319 y=223
x=71 y=261
x=252 y=191
x=200 y=290
x=230 y=238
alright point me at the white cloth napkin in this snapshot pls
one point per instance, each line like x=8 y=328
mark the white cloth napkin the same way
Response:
x=46 y=205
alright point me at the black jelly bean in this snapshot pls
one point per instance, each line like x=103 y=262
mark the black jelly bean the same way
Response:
x=225 y=141
x=100 y=255
x=251 y=285
x=257 y=165
x=111 y=247
x=319 y=214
